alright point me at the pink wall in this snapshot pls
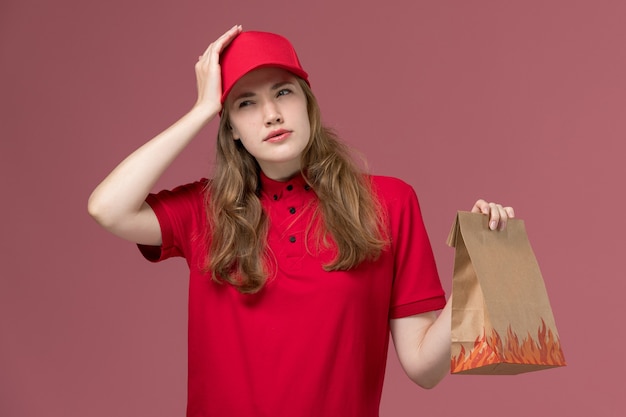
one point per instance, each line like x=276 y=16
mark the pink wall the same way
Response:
x=520 y=102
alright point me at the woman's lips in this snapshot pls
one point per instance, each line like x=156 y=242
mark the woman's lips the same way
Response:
x=277 y=136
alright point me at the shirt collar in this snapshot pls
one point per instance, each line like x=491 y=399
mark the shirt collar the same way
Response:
x=275 y=190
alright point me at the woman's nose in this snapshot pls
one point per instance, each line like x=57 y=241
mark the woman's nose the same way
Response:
x=272 y=114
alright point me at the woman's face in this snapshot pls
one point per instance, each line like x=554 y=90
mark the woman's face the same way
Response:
x=268 y=113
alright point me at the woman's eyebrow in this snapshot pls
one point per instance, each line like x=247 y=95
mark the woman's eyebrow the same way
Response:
x=280 y=84
x=244 y=95
x=248 y=94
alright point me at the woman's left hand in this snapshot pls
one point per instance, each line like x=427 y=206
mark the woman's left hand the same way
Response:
x=498 y=215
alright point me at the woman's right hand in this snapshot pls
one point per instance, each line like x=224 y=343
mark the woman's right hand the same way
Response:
x=118 y=202
x=208 y=72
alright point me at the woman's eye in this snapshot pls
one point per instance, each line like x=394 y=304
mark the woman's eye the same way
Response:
x=284 y=92
x=244 y=103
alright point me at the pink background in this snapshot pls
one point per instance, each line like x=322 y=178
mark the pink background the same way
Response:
x=519 y=102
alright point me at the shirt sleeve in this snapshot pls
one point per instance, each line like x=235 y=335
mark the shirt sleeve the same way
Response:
x=416 y=285
x=182 y=219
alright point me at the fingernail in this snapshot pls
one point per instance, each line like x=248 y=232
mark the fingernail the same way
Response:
x=493 y=225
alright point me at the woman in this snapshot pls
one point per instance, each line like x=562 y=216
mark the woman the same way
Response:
x=299 y=265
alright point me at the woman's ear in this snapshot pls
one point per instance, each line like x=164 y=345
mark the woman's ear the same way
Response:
x=233 y=132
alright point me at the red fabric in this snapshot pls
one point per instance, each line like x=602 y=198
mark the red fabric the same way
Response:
x=311 y=343
x=251 y=50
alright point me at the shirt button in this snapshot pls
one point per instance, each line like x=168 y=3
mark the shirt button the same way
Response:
x=307 y=187
x=275 y=197
x=289 y=187
x=292 y=210
x=292 y=239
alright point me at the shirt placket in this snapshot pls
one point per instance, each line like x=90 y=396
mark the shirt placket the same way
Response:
x=288 y=205
x=293 y=233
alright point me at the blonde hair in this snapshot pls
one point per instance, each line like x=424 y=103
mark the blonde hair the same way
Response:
x=348 y=209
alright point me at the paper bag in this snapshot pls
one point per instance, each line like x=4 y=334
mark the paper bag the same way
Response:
x=502 y=323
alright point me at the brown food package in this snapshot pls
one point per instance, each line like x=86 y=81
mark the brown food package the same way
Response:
x=502 y=322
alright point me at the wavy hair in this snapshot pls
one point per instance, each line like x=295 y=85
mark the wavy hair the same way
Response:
x=351 y=217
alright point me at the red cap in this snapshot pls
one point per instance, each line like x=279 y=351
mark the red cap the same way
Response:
x=252 y=50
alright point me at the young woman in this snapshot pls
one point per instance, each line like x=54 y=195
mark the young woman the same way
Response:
x=300 y=265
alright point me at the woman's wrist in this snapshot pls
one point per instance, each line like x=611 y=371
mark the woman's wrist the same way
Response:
x=205 y=111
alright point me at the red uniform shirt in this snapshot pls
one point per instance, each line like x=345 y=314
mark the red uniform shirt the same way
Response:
x=311 y=343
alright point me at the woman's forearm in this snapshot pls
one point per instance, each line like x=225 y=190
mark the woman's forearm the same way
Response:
x=121 y=194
